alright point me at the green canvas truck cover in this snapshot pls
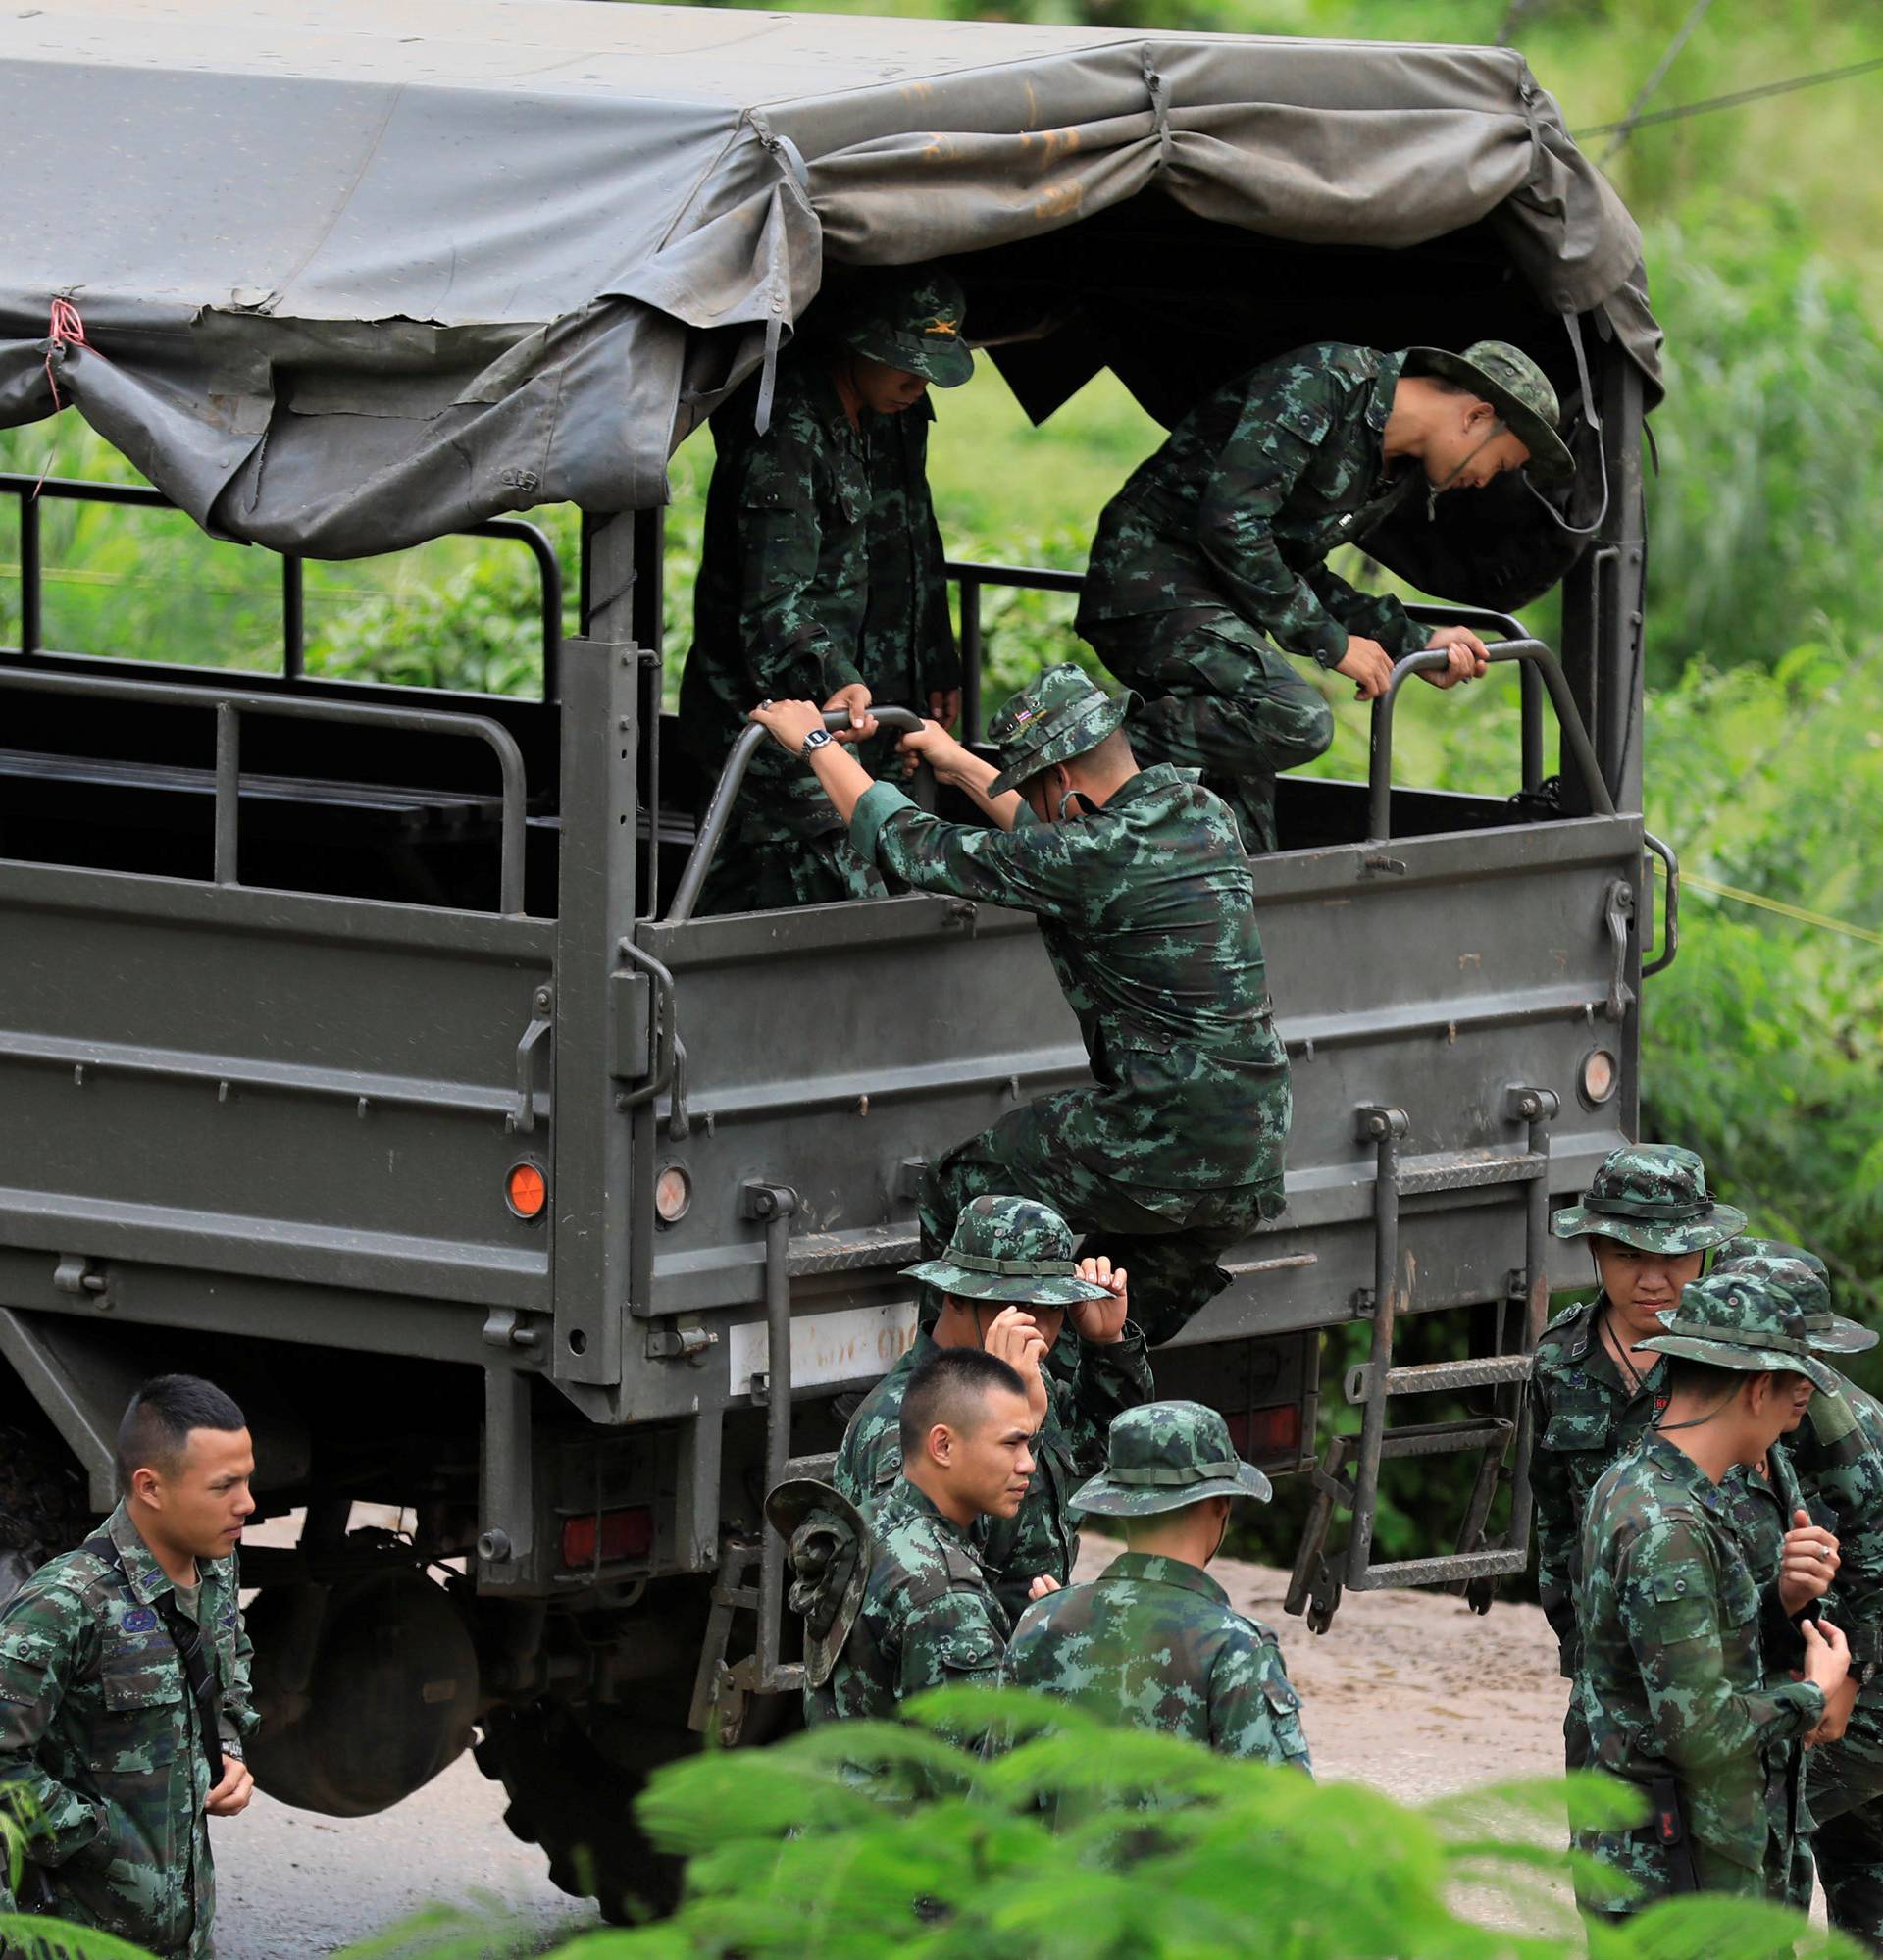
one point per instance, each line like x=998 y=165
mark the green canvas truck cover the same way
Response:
x=344 y=274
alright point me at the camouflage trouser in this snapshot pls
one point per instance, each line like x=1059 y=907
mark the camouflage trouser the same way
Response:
x=1846 y=1796
x=1172 y=1259
x=1220 y=698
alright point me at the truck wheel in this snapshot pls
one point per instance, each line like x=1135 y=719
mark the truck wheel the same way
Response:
x=577 y=1803
x=42 y=1505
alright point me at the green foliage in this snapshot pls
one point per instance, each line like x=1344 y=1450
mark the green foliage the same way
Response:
x=1047 y=1852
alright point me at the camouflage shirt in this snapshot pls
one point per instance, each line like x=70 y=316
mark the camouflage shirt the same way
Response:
x=1587 y=1415
x=1843 y=1483
x=821 y=565
x=928 y=1615
x=1674 y=1682
x=1156 y=1641
x=1245 y=501
x=1149 y=915
x=1042 y=1536
x=1762 y=1506
x=100 y=1740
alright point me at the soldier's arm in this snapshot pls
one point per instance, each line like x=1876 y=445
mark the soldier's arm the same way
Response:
x=46 y=1639
x=239 y=1716
x=788 y=652
x=1034 y=867
x=1373 y=615
x=941 y=660
x=1272 y=446
x=1556 y=1529
x=1255 y=1712
x=956 y=1639
x=1668 y=1588
x=1111 y=1377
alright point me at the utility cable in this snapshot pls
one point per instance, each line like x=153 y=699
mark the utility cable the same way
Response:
x=1786 y=911
x=1645 y=93
x=1735 y=100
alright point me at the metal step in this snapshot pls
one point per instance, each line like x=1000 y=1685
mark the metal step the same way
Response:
x=1447 y=1439
x=819 y=1468
x=1443 y=1570
x=862 y=1251
x=1435 y=1377
x=1469 y=1174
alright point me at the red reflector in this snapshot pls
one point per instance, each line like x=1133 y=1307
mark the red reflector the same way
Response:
x=525 y=1191
x=619 y=1534
x=1264 y=1433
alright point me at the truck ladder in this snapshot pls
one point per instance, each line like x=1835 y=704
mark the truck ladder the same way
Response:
x=1349 y=1475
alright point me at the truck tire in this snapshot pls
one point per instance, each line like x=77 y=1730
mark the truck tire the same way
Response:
x=44 y=1509
x=577 y=1803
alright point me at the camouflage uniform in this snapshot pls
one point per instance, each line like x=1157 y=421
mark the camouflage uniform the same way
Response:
x=927 y=1617
x=1207 y=569
x=1107 y=1377
x=101 y=1748
x=1677 y=1693
x=1653 y=1196
x=821 y=566
x=1148 y=916
x=1153 y=1640
x=1837 y=1455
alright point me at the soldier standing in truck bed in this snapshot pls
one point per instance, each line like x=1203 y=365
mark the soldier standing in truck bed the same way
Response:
x=1144 y=900
x=821 y=574
x=1207 y=571
x=124 y=1683
x=1009 y=1281
x=1650 y=1220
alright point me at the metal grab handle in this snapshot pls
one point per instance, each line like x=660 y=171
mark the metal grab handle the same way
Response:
x=230 y=707
x=666 y=1028
x=719 y=806
x=1380 y=765
x=1670 y=914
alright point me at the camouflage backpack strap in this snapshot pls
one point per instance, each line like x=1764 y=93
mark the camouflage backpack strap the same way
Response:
x=187 y=1637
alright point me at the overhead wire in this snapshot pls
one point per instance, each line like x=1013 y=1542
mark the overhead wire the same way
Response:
x=1817 y=79
x=1800 y=914
x=1645 y=93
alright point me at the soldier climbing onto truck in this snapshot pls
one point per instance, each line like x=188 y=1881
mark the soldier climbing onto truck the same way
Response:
x=822 y=573
x=1142 y=892
x=1009 y=1284
x=1207 y=569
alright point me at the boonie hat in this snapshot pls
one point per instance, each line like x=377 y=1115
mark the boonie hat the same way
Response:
x=1064 y=714
x=1735 y=1321
x=1516 y=387
x=911 y=318
x=1165 y=1455
x=1801 y=1277
x=1013 y=1249
x=1653 y=1197
x=828 y=1556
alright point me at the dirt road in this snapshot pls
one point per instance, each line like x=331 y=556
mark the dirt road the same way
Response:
x=1408 y=1691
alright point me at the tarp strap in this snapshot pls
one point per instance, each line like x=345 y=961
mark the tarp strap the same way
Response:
x=1159 y=108
x=1591 y=414
x=784 y=153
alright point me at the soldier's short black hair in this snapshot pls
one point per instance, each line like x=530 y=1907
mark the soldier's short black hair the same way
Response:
x=1687 y=1376
x=948 y=1387
x=155 y=1431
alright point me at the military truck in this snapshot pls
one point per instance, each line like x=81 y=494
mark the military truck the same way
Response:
x=359 y=1046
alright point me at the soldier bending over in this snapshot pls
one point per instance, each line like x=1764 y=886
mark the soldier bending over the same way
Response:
x=1208 y=568
x=1145 y=900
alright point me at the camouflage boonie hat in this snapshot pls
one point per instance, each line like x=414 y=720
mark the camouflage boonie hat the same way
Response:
x=1165 y=1455
x=1012 y=1250
x=1735 y=1321
x=1653 y=1197
x=1064 y=714
x=1801 y=1277
x=828 y=1558
x=1516 y=387
x=911 y=320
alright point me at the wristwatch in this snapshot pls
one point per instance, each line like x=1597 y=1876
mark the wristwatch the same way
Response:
x=819 y=738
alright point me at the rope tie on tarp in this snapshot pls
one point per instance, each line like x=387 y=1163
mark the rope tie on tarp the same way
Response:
x=1159 y=109
x=63 y=328
x=1591 y=414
